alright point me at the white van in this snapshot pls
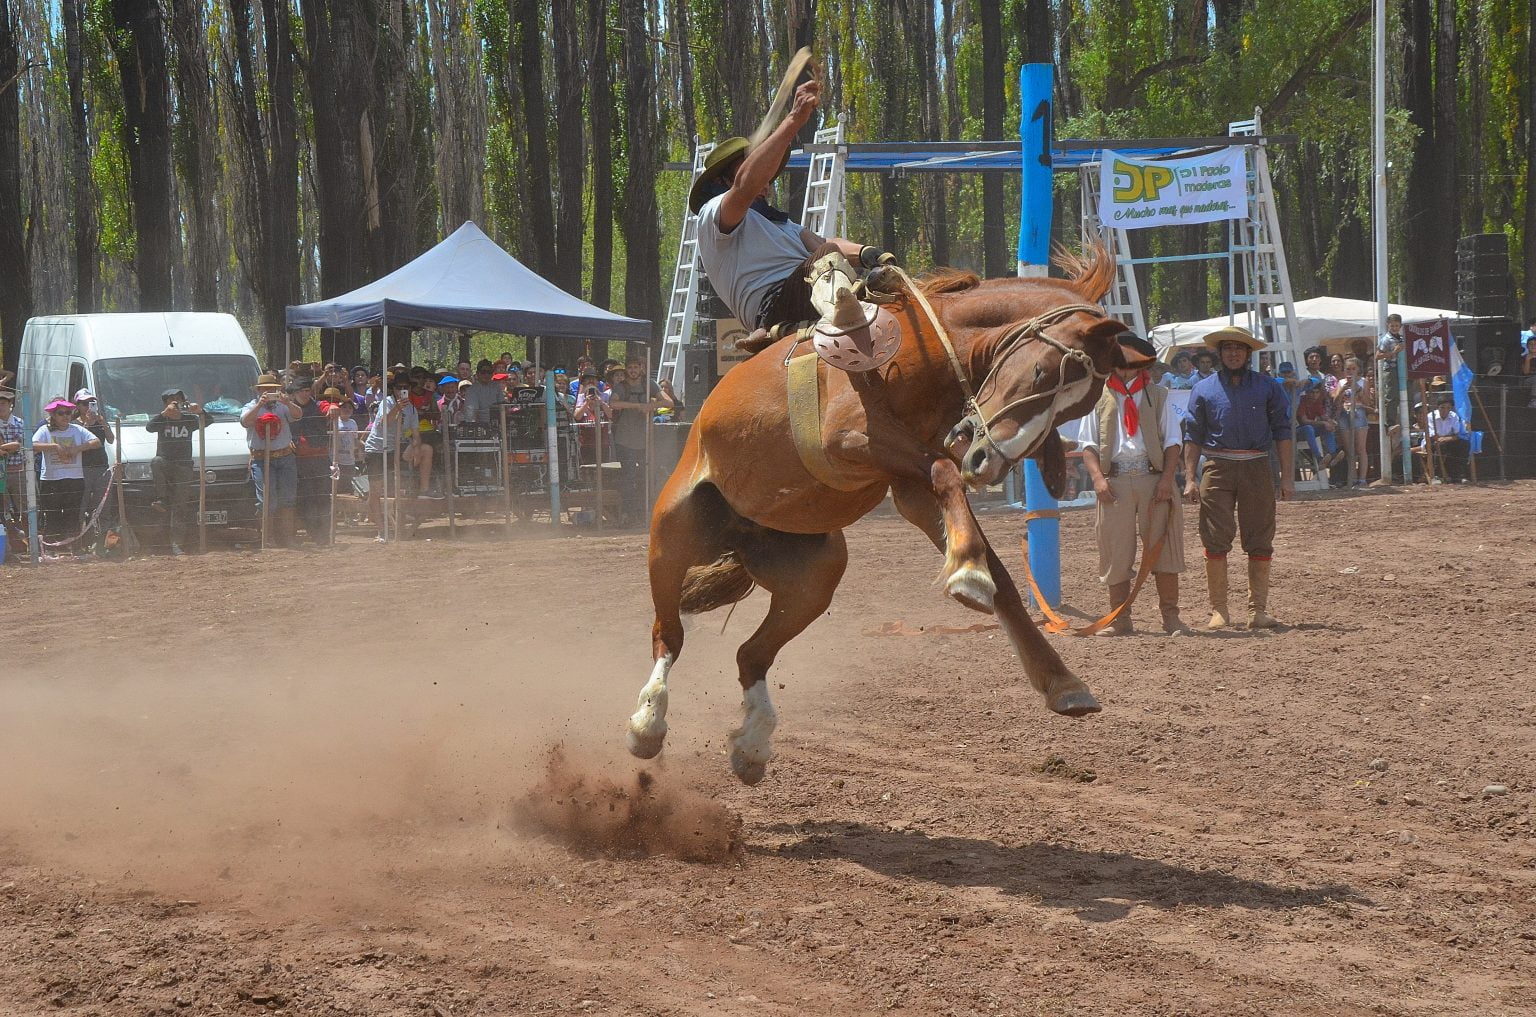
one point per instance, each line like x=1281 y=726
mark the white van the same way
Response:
x=127 y=360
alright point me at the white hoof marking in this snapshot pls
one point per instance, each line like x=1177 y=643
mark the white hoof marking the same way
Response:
x=973 y=588
x=752 y=742
x=648 y=724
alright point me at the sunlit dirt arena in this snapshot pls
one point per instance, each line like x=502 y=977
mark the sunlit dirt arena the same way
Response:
x=385 y=781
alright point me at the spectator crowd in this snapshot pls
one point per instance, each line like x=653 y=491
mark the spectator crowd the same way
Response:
x=312 y=425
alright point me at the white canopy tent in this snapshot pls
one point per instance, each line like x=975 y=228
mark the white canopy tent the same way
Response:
x=1317 y=320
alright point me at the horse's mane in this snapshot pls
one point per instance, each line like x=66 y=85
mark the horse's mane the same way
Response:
x=948 y=280
x=1090 y=273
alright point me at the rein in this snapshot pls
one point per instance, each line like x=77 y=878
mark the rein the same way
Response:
x=1015 y=339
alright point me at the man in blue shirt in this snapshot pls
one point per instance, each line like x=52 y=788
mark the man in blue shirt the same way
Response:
x=1235 y=415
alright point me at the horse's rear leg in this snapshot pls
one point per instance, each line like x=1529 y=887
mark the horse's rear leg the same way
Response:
x=685 y=531
x=802 y=573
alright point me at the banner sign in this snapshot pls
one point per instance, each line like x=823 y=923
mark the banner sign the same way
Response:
x=1137 y=193
x=1429 y=348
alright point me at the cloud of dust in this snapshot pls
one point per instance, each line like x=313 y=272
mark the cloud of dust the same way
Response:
x=594 y=814
x=294 y=773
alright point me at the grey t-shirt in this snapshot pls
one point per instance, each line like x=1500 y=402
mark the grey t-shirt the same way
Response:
x=744 y=264
x=629 y=425
x=284 y=436
x=405 y=424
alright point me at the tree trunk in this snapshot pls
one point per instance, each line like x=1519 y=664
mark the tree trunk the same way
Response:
x=528 y=30
x=1528 y=234
x=83 y=190
x=339 y=65
x=139 y=44
x=601 y=100
x=195 y=137
x=16 y=293
x=570 y=150
x=680 y=18
x=1445 y=211
x=280 y=255
x=994 y=231
x=642 y=238
x=1419 y=231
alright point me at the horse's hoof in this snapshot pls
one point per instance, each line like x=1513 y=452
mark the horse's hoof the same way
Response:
x=973 y=588
x=646 y=746
x=1075 y=703
x=749 y=772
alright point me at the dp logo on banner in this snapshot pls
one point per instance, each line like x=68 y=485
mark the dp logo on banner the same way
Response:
x=1136 y=193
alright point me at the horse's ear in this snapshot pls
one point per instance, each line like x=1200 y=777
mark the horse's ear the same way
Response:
x=1105 y=328
x=1117 y=358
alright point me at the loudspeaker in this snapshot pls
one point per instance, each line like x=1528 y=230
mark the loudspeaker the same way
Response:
x=1484 y=296
x=1483 y=284
x=699 y=372
x=1478 y=244
x=709 y=304
x=1489 y=345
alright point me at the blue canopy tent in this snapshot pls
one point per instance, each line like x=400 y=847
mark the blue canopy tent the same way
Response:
x=468 y=283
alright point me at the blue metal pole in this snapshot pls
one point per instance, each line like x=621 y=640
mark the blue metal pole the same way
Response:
x=1044 y=536
x=1036 y=132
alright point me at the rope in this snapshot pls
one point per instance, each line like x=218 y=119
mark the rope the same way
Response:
x=90 y=524
x=1055 y=623
x=1026 y=331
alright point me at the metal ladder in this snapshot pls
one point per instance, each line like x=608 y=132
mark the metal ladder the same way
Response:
x=1263 y=293
x=685 y=288
x=824 y=211
x=1123 y=300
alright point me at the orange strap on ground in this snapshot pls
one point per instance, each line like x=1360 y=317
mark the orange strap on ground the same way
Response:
x=1054 y=622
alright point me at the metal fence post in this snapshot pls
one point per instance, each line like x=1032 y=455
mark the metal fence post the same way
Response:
x=202 y=484
x=597 y=444
x=335 y=476
x=506 y=472
x=117 y=475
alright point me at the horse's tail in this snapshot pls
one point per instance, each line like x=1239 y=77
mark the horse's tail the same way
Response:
x=949 y=280
x=721 y=582
x=1091 y=272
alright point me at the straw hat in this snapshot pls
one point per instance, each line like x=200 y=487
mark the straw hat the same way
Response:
x=715 y=164
x=1234 y=334
x=267 y=381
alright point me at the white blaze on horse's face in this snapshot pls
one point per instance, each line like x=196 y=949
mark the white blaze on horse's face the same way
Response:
x=1019 y=428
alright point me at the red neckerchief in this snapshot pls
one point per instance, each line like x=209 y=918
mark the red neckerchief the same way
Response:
x=1132 y=415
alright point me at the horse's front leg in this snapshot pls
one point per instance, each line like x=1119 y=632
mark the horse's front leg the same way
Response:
x=938 y=506
x=1064 y=692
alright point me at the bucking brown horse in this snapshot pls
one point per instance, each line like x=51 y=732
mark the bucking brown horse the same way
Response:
x=742 y=509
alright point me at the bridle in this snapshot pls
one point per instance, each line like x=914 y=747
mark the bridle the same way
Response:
x=1015 y=339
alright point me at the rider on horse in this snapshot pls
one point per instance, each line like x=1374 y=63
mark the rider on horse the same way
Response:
x=758 y=259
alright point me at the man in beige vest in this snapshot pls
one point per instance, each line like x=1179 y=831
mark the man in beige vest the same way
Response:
x=1131 y=443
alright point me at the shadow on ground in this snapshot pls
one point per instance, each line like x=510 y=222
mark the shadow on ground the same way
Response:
x=1100 y=886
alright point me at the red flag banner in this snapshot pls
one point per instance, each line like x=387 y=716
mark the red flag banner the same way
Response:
x=1429 y=348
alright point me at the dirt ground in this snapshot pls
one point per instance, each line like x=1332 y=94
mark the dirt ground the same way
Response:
x=321 y=783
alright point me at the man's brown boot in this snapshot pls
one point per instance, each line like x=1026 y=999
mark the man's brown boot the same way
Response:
x=1168 y=602
x=1216 y=583
x=1121 y=626
x=1258 y=595
x=756 y=341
